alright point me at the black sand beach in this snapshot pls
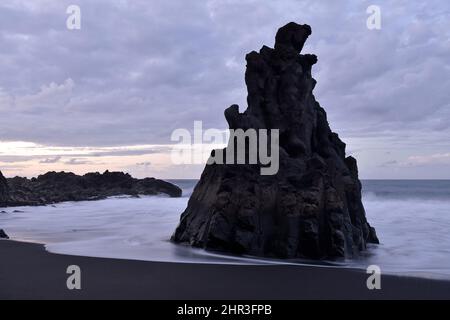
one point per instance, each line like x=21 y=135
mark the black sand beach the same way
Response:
x=28 y=271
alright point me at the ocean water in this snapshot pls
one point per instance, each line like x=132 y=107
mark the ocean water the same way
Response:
x=412 y=219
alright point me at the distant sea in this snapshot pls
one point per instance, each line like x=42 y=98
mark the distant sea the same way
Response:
x=412 y=219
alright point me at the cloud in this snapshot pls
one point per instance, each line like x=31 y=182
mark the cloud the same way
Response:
x=76 y=161
x=13 y=159
x=124 y=151
x=50 y=160
x=389 y=163
x=438 y=159
x=144 y=164
x=137 y=70
x=14 y=168
x=434 y=159
x=49 y=154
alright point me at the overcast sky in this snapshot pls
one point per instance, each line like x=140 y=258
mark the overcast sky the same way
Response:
x=108 y=96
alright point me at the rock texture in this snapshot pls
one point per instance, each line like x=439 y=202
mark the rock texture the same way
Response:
x=54 y=187
x=312 y=207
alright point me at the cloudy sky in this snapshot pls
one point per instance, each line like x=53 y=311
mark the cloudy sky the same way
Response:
x=108 y=96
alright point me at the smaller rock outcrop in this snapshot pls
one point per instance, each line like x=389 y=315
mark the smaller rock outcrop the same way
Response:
x=4 y=191
x=54 y=187
x=3 y=235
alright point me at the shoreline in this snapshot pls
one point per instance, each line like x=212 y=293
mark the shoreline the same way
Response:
x=223 y=258
x=28 y=271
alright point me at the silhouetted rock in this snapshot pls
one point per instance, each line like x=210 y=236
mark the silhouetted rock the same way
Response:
x=3 y=235
x=54 y=187
x=312 y=207
x=4 y=192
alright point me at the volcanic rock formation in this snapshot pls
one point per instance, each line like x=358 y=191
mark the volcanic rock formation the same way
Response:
x=312 y=207
x=54 y=187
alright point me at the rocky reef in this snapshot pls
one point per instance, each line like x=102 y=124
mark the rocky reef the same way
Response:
x=54 y=187
x=312 y=207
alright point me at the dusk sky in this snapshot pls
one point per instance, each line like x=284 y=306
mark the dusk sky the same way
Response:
x=108 y=96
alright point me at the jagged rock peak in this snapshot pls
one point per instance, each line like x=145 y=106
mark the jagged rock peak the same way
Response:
x=292 y=36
